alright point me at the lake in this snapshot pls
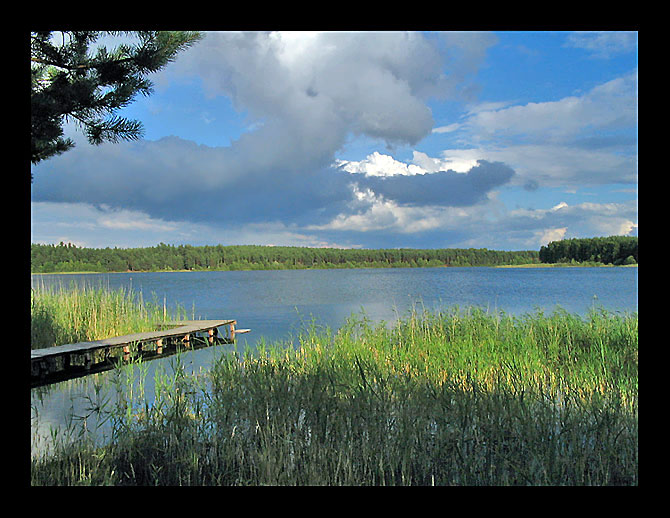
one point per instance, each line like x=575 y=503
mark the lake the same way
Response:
x=277 y=304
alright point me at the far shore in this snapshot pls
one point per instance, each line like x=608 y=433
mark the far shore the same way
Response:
x=565 y=265
x=529 y=265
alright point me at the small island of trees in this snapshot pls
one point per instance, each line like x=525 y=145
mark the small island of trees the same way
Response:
x=616 y=250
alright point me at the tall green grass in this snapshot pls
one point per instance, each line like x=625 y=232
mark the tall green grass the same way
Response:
x=60 y=316
x=454 y=398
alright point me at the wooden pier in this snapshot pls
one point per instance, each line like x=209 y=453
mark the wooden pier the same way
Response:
x=73 y=360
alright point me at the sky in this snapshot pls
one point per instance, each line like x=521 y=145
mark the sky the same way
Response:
x=501 y=140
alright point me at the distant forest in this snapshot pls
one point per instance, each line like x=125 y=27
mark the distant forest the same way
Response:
x=617 y=250
x=70 y=258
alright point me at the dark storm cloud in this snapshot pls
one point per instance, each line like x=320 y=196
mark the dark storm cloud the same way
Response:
x=444 y=188
x=170 y=179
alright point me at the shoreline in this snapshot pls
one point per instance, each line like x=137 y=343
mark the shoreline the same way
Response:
x=523 y=266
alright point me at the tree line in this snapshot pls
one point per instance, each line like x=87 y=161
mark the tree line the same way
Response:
x=617 y=250
x=70 y=258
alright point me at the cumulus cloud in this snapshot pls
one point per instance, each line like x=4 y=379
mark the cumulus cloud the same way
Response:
x=461 y=163
x=303 y=94
x=386 y=217
x=377 y=164
x=549 y=165
x=367 y=83
x=445 y=188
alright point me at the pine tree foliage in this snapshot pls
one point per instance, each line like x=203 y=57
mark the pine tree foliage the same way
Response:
x=608 y=250
x=70 y=258
x=72 y=80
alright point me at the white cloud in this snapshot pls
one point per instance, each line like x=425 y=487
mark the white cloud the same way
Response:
x=551 y=234
x=553 y=165
x=377 y=164
x=447 y=129
x=132 y=220
x=587 y=139
x=487 y=224
x=461 y=162
x=604 y=44
x=97 y=226
x=606 y=106
x=304 y=94
x=272 y=234
x=487 y=107
x=383 y=215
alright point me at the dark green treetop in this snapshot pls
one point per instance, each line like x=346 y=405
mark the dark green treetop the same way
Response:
x=70 y=82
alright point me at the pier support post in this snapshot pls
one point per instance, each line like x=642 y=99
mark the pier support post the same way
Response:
x=159 y=346
x=212 y=334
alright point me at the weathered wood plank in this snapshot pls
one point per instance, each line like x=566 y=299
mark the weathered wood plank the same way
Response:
x=184 y=328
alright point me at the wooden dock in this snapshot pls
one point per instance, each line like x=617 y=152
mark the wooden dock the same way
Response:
x=72 y=360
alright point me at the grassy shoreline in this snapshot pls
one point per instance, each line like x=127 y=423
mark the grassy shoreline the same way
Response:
x=462 y=397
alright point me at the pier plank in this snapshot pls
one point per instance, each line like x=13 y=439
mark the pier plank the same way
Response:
x=183 y=328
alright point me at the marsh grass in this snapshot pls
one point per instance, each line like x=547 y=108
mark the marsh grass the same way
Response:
x=60 y=316
x=463 y=397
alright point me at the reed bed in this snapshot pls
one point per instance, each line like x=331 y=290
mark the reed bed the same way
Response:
x=463 y=397
x=60 y=316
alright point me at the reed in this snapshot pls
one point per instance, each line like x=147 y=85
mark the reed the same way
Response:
x=59 y=316
x=463 y=397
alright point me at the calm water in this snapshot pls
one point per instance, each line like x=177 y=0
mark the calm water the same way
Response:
x=276 y=305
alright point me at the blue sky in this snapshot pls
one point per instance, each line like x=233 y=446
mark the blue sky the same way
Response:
x=503 y=140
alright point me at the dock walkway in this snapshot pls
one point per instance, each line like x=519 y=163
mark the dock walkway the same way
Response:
x=82 y=356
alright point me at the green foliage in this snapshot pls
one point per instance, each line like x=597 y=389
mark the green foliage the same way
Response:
x=59 y=316
x=69 y=81
x=607 y=250
x=69 y=258
x=455 y=398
